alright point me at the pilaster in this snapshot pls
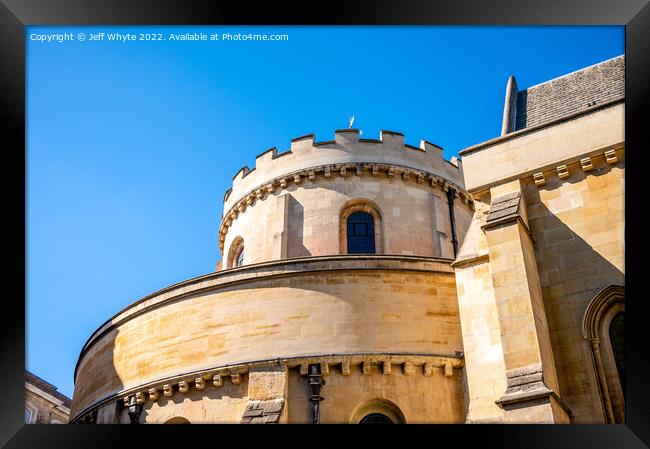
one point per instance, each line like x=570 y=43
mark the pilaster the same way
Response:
x=267 y=395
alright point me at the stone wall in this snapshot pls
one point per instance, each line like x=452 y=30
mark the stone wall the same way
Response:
x=529 y=268
x=302 y=307
x=578 y=226
x=45 y=411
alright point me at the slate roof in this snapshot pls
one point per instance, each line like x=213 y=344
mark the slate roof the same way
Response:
x=47 y=388
x=571 y=93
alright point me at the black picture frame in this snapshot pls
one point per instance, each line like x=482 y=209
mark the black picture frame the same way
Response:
x=16 y=14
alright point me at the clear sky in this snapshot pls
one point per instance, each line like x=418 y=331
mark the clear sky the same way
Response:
x=131 y=145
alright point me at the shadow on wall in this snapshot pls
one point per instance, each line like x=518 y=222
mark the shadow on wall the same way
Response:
x=295 y=243
x=95 y=378
x=567 y=263
x=98 y=378
x=571 y=273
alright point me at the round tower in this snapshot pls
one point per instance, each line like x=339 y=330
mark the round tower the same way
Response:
x=334 y=301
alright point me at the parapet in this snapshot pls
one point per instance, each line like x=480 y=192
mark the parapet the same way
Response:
x=347 y=151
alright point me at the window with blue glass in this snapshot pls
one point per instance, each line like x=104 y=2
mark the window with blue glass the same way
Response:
x=361 y=233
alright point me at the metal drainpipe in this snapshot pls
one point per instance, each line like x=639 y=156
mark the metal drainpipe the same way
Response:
x=451 y=195
x=315 y=382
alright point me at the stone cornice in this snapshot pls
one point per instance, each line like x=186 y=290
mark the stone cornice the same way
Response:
x=303 y=266
x=369 y=363
x=58 y=403
x=563 y=169
x=326 y=172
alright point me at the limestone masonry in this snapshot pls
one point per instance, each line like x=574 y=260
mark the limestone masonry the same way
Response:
x=370 y=281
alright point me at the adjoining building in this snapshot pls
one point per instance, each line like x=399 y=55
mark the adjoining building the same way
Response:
x=43 y=403
x=370 y=281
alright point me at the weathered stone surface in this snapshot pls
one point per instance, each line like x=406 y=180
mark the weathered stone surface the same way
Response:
x=263 y=412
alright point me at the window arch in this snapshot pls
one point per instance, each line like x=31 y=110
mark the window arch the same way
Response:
x=31 y=414
x=376 y=418
x=236 y=253
x=377 y=411
x=603 y=327
x=360 y=228
x=177 y=420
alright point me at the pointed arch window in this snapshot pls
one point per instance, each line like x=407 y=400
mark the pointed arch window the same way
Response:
x=603 y=326
x=617 y=341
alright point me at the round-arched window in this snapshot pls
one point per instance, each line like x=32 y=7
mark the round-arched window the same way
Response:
x=240 y=257
x=177 y=420
x=361 y=233
x=236 y=253
x=376 y=418
x=377 y=411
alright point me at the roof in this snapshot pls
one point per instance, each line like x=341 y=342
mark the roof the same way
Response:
x=571 y=93
x=47 y=388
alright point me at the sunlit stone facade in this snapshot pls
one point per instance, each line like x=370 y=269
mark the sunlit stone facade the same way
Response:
x=371 y=281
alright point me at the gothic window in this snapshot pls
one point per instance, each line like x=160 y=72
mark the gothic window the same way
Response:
x=361 y=233
x=603 y=327
x=617 y=339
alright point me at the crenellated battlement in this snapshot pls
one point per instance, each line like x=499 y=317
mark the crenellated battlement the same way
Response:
x=344 y=158
x=346 y=148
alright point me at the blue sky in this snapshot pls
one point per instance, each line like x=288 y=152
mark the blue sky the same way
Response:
x=130 y=146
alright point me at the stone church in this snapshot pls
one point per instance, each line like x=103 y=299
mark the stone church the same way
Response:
x=371 y=281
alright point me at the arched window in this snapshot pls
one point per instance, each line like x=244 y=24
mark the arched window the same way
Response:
x=28 y=415
x=617 y=341
x=236 y=253
x=376 y=418
x=360 y=228
x=377 y=411
x=361 y=233
x=177 y=420
x=603 y=326
x=240 y=257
